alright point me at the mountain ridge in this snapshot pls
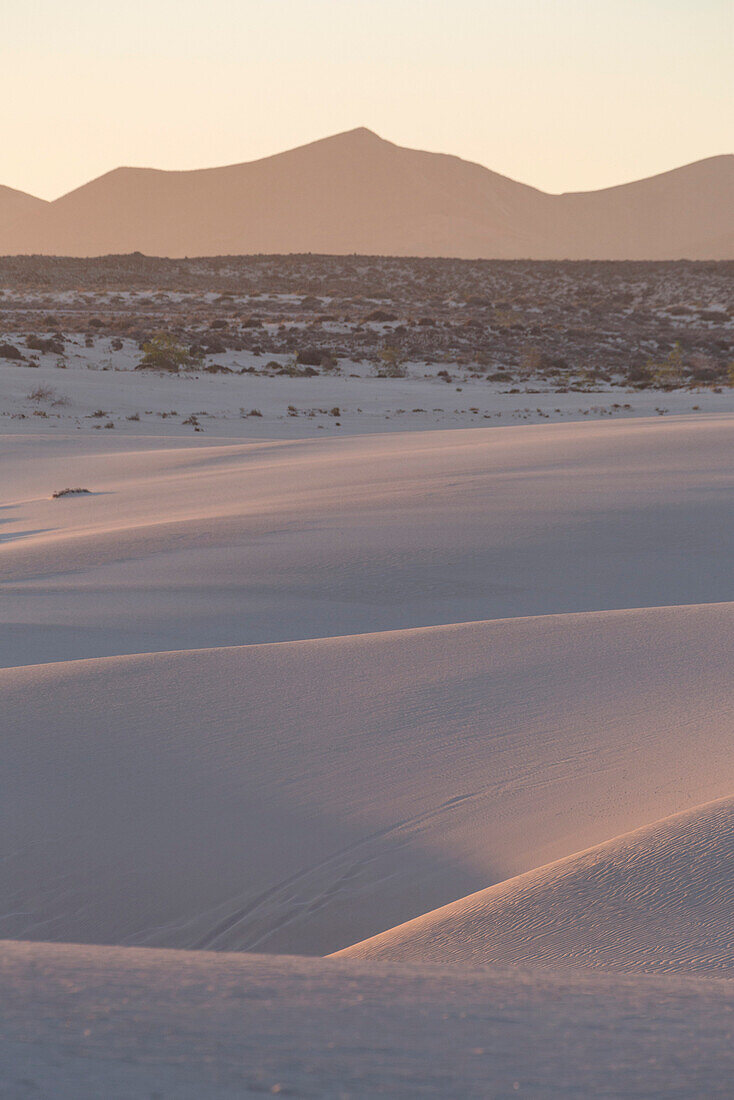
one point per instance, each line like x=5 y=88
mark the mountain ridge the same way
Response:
x=356 y=192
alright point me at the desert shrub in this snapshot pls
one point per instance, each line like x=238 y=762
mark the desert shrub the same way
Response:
x=42 y=393
x=163 y=352
x=310 y=357
x=639 y=375
x=668 y=373
x=705 y=376
x=316 y=357
x=531 y=361
x=392 y=363
x=213 y=347
x=38 y=343
x=8 y=351
x=290 y=369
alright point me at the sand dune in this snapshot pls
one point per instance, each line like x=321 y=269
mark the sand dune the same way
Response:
x=83 y=1022
x=302 y=796
x=356 y=193
x=191 y=545
x=227 y=785
x=656 y=900
x=332 y=786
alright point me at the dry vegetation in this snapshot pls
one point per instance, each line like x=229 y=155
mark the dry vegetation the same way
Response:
x=568 y=325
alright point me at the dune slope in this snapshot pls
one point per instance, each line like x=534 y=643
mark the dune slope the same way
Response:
x=185 y=545
x=368 y=761
x=304 y=796
x=658 y=899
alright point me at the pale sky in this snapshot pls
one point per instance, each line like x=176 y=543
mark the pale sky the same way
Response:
x=560 y=94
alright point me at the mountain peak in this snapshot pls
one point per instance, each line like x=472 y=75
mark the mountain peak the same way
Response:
x=359 y=135
x=363 y=132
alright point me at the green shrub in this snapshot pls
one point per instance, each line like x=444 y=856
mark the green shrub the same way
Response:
x=163 y=352
x=392 y=363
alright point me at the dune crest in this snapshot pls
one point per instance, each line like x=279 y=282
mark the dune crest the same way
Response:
x=657 y=900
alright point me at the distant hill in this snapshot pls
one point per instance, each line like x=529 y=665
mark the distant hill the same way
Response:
x=21 y=216
x=356 y=193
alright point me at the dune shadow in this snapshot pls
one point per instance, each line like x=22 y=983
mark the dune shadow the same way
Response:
x=155 y=862
x=15 y=535
x=85 y=494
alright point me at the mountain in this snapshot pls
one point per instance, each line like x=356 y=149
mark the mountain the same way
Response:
x=20 y=215
x=357 y=193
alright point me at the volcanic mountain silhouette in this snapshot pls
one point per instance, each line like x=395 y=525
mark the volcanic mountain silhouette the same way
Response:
x=357 y=193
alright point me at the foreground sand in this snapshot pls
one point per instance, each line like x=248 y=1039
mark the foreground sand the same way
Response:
x=445 y=699
x=84 y=1022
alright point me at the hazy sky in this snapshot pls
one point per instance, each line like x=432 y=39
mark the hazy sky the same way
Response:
x=562 y=94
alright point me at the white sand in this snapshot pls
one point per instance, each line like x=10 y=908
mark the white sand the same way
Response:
x=99 y=380
x=82 y=1023
x=656 y=900
x=333 y=684
x=200 y=544
x=303 y=796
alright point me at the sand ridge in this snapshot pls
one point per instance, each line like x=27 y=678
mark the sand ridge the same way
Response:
x=657 y=900
x=229 y=814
